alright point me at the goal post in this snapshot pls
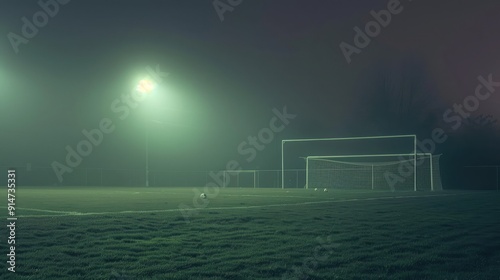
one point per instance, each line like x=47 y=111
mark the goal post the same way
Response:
x=374 y=172
x=241 y=178
x=410 y=148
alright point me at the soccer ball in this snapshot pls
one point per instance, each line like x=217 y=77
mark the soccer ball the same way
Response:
x=325 y=190
x=203 y=196
x=315 y=189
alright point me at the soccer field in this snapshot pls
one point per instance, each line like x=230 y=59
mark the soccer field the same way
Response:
x=168 y=233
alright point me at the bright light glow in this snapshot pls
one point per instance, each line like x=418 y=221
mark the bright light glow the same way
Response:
x=145 y=86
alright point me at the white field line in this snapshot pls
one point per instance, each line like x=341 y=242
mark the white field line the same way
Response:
x=318 y=192
x=48 y=211
x=158 y=192
x=189 y=194
x=63 y=213
x=260 y=195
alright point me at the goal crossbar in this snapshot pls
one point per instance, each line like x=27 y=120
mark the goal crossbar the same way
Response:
x=349 y=138
x=373 y=155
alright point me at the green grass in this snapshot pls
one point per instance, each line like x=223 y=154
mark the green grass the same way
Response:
x=139 y=233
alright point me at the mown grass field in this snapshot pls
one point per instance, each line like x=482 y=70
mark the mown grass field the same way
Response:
x=140 y=233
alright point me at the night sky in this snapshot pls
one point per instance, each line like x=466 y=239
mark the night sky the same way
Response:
x=225 y=77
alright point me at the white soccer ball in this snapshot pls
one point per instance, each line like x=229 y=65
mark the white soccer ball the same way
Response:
x=315 y=189
x=325 y=190
x=203 y=196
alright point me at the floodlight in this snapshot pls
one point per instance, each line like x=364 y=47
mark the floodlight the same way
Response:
x=145 y=86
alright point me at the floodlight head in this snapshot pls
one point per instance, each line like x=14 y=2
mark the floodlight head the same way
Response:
x=145 y=86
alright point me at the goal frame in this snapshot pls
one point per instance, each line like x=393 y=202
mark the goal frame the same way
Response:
x=372 y=167
x=229 y=172
x=414 y=136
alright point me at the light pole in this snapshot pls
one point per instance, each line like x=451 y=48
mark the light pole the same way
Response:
x=147 y=155
x=147 y=149
x=145 y=87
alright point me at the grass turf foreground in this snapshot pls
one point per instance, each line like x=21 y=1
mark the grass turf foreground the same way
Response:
x=139 y=233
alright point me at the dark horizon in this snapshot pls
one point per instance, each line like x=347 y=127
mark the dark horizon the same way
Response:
x=226 y=77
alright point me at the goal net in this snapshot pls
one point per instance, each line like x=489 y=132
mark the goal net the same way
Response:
x=241 y=178
x=389 y=172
